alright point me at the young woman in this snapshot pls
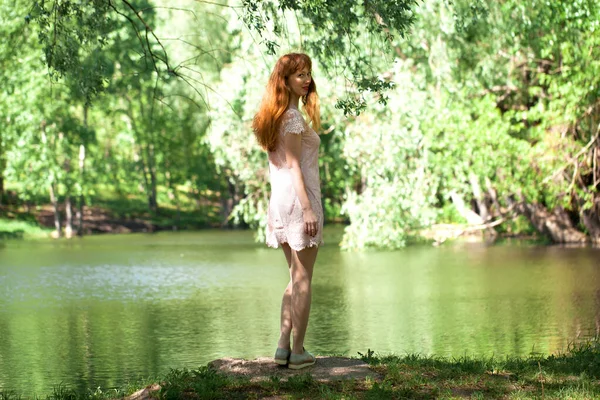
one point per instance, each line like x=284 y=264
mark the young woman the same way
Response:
x=295 y=216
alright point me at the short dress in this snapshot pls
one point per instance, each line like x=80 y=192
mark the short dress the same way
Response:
x=285 y=223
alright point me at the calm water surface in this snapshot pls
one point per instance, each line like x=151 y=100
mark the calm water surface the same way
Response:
x=105 y=310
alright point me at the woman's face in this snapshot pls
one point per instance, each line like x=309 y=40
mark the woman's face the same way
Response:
x=299 y=82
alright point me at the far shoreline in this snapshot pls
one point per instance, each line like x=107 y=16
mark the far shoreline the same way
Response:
x=18 y=224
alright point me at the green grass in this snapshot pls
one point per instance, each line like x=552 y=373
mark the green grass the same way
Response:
x=17 y=223
x=167 y=216
x=64 y=392
x=21 y=229
x=574 y=374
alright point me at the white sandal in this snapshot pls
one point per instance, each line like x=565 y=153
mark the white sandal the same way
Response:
x=282 y=356
x=299 y=361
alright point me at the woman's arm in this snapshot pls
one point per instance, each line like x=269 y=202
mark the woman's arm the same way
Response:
x=292 y=144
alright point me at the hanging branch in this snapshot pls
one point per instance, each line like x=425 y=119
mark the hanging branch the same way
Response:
x=150 y=31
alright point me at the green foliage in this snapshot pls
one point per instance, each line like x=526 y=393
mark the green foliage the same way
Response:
x=138 y=137
x=495 y=114
x=63 y=392
x=239 y=161
x=72 y=36
x=388 y=151
x=580 y=358
x=75 y=35
x=10 y=396
x=450 y=215
x=332 y=32
x=500 y=95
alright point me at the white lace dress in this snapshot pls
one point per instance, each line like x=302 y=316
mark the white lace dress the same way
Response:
x=285 y=223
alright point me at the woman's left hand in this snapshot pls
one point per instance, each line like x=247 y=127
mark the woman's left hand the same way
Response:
x=310 y=222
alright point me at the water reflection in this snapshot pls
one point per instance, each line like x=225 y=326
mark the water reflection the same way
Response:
x=104 y=310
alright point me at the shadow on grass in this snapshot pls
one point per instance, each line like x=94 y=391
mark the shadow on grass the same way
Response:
x=573 y=374
x=109 y=211
x=17 y=234
x=165 y=217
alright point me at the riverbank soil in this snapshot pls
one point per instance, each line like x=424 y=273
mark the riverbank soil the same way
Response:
x=327 y=369
x=573 y=375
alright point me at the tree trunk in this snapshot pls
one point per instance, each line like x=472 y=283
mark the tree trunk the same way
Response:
x=153 y=203
x=591 y=217
x=152 y=170
x=361 y=185
x=69 y=217
x=143 y=168
x=2 y=168
x=556 y=224
x=2 y=165
x=177 y=205
x=54 y=202
x=229 y=199
x=149 y=179
x=494 y=196
x=472 y=217
x=173 y=192
x=150 y=161
x=227 y=202
x=479 y=198
x=224 y=209
x=81 y=199
x=591 y=220
x=195 y=190
x=146 y=165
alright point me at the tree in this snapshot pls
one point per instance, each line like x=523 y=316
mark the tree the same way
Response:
x=71 y=30
x=501 y=94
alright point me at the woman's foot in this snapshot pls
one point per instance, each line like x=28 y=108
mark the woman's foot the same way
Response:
x=299 y=361
x=282 y=356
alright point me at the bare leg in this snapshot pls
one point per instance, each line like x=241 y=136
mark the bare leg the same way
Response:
x=301 y=266
x=286 y=305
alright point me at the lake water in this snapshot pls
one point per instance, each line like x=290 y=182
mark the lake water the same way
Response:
x=105 y=310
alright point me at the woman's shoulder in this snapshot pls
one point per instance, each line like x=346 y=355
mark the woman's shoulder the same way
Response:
x=293 y=113
x=293 y=121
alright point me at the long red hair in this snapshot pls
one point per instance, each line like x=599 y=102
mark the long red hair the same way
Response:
x=277 y=99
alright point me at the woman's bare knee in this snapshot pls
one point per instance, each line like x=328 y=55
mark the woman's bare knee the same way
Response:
x=302 y=263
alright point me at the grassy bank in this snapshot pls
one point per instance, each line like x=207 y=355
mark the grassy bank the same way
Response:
x=109 y=213
x=22 y=229
x=572 y=375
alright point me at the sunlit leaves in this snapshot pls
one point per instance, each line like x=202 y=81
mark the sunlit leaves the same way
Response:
x=335 y=33
x=72 y=34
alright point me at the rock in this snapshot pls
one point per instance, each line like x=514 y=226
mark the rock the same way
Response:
x=144 y=394
x=326 y=369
